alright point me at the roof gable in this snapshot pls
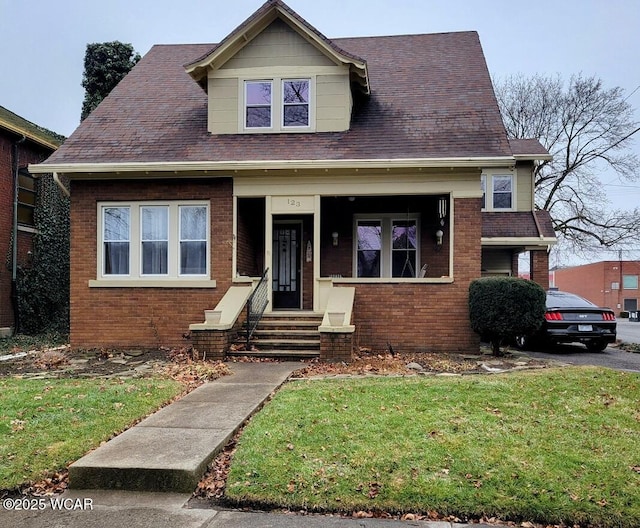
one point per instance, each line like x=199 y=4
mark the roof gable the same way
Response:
x=266 y=15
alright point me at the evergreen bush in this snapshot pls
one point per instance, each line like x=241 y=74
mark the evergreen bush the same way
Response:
x=501 y=308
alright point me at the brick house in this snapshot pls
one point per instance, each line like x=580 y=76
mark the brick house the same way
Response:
x=610 y=283
x=368 y=178
x=21 y=143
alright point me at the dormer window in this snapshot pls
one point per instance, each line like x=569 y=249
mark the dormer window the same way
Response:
x=258 y=104
x=277 y=105
x=295 y=103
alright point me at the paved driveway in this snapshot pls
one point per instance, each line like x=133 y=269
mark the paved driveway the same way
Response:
x=628 y=332
x=577 y=354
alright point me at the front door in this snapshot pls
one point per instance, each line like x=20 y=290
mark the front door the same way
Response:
x=287 y=283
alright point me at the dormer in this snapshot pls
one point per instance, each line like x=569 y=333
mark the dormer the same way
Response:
x=276 y=73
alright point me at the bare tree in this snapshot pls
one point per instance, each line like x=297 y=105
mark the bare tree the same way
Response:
x=588 y=129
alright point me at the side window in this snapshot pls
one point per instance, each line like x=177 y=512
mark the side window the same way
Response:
x=483 y=186
x=258 y=107
x=502 y=191
x=26 y=198
x=630 y=282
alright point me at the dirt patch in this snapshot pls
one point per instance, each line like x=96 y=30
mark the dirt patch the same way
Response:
x=367 y=363
x=61 y=362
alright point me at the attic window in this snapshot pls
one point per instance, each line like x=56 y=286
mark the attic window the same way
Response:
x=258 y=104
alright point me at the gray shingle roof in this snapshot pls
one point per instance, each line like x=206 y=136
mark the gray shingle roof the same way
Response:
x=431 y=97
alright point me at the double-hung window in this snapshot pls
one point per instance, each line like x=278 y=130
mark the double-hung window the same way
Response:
x=152 y=240
x=116 y=240
x=277 y=105
x=502 y=191
x=497 y=191
x=155 y=239
x=258 y=98
x=386 y=246
x=295 y=103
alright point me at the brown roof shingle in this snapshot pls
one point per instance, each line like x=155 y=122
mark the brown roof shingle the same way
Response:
x=517 y=224
x=431 y=97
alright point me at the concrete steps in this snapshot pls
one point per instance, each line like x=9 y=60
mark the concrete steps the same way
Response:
x=290 y=335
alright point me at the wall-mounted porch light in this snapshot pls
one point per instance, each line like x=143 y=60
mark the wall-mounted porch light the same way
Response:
x=334 y=237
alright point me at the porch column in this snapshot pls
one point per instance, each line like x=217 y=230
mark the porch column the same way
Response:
x=316 y=253
x=540 y=268
x=268 y=247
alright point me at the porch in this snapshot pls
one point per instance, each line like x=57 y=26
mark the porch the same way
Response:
x=311 y=243
x=392 y=254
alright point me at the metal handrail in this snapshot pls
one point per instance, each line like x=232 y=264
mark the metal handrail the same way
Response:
x=256 y=305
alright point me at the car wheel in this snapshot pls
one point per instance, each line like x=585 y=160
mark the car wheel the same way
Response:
x=596 y=345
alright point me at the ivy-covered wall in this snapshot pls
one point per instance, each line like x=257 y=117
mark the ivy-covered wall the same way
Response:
x=43 y=284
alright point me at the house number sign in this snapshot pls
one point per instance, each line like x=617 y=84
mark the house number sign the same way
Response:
x=292 y=204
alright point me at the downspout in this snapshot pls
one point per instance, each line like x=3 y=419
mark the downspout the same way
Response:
x=14 y=249
x=59 y=183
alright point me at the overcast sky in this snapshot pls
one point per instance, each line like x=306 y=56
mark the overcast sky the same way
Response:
x=42 y=42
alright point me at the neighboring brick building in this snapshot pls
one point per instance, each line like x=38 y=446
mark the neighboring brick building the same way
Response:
x=378 y=166
x=21 y=143
x=611 y=283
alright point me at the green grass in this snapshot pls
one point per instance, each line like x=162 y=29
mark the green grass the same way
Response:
x=549 y=446
x=47 y=424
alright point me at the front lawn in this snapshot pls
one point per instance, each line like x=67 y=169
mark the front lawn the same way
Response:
x=45 y=424
x=549 y=446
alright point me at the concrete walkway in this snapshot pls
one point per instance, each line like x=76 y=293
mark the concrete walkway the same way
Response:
x=106 y=509
x=170 y=450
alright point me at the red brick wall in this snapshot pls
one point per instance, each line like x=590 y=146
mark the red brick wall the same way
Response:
x=28 y=152
x=425 y=317
x=593 y=281
x=142 y=317
x=540 y=268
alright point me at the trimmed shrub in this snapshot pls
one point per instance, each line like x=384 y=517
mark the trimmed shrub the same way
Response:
x=501 y=308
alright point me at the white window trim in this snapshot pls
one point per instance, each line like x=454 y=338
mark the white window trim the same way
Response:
x=487 y=178
x=135 y=278
x=277 y=105
x=245 y=104
x=283 y=105
x=386 y=257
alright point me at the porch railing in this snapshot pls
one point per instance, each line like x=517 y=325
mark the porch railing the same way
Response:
x=256 y=304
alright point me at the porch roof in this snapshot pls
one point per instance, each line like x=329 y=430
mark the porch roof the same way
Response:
x=526 y=224
x=431 y=98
